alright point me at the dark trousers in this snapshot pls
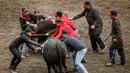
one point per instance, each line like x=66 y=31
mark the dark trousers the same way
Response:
x=16 y=59
x=112 y=52
x=95 y=41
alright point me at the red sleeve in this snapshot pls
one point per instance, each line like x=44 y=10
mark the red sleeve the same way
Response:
x=55 y=34
x=59 y=34
x=71 y=24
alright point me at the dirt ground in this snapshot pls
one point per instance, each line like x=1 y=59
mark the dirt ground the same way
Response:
x=9 y=29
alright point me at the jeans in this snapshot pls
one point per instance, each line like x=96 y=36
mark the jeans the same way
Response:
x=77 y=57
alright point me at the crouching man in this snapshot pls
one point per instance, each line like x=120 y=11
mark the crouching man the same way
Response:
x=23 y=38
x=78 y=48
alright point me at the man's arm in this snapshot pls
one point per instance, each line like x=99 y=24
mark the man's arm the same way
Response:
x=96 y=15
x=117 y=30
x=28 y=40
x=42 y=17
x=22 y=23
x=79 y=15
x=59 y=33
x=29 y=46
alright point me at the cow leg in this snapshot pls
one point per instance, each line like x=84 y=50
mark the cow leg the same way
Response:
x=49 y=67
x=61 y=68
x=65 y=67
x=55 y=69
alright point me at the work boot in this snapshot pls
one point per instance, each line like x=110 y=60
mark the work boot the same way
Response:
x=84 y=60
x=109 y=64
x=103 y=50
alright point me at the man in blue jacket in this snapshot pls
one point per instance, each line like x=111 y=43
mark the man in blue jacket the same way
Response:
x=78 y=48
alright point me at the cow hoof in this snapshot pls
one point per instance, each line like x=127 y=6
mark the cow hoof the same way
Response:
x=66 y=71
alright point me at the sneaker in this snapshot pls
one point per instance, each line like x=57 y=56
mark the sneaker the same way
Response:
x=10 y=67
x=109 y=64
x=119 y=63
x=23 y=57
x=103 y=50
x=13 y=71
x=28 y=54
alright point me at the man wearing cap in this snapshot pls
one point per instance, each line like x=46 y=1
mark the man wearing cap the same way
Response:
x=23 y=38
x=117 y=41
x=37 y=17
x=78 y=49
x=61 y=26
x=65 y=19
x=95 y=25
x=25 y=19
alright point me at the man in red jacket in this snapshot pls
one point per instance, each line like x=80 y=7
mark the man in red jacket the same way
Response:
x=58 y=31
x=61 y=26
x=65 y=19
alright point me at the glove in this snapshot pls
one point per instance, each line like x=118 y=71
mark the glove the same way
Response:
x=93 y=26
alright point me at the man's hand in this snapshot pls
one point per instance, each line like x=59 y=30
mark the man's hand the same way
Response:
x=36 y=49
x=71 y=18
x=27 y=22
x=115 y=40
x=47 y=34
x=93 y=26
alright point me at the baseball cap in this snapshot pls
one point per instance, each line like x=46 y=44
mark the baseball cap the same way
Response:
x=36 y=13
x=112 y=12
x=24 y=10
x=86 y=3
x=58 y=13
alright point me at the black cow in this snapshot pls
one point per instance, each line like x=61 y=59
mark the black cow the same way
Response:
x=44 y=27
x=54 y=54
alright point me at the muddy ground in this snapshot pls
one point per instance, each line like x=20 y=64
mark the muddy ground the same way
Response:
x=10 y=29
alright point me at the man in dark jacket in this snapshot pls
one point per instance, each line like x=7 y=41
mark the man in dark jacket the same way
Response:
x=78 y=48
x=37 y=17
x=117 y=41
x=25 y=19
x=95 y=25
x=23 y=38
